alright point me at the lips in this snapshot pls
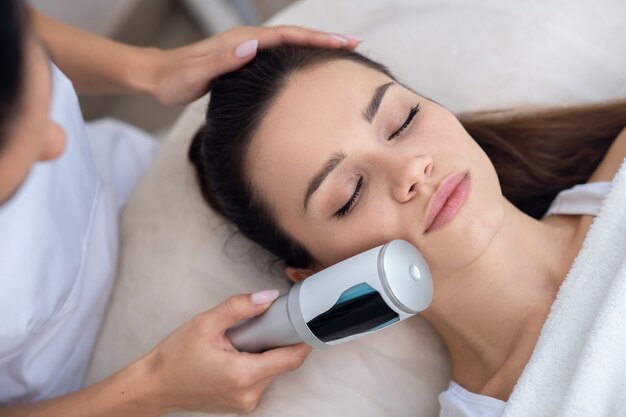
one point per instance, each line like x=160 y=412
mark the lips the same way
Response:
x=440 y=198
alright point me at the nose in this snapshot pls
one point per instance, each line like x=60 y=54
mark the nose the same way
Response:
x=408 y=174
x=53 y=143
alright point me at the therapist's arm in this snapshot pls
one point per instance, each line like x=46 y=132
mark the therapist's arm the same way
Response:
x=194 y=369
x=176 y=76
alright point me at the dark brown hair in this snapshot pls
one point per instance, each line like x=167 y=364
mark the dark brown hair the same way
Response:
x=13 y=27
x=538 y=153
x=535 y=154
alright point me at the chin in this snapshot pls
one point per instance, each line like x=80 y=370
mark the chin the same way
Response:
x=481 y=230
x=462 y=241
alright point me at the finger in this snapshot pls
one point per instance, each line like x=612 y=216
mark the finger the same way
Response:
x=231 y=59
x=280 y=35
x=278 y=361
x=240 y=307
x=245 y=51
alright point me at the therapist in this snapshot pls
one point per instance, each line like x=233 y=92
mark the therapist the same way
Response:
x=59 y=224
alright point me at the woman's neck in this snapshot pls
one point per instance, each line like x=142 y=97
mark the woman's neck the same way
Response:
x=484 y=312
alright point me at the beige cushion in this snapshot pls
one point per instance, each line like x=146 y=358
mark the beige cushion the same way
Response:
x=176 y=257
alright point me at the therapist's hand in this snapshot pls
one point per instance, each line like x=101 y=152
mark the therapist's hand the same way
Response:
x=197 y=368
x=184 y=74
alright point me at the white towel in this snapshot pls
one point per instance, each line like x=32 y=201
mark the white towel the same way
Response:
x=578 y=367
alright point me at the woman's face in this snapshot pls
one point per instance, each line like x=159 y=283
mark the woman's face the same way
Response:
x=32 y=136
x=385 y=168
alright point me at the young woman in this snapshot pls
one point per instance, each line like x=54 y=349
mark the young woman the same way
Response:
x=59 y=225
x=318 y=155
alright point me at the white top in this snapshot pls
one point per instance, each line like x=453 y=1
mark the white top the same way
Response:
x=58 y=251
x=456 y=401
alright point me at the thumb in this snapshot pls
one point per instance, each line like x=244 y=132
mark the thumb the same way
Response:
x=241 y=307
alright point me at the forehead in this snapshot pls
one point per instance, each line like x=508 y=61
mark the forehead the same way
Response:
x=318 y=111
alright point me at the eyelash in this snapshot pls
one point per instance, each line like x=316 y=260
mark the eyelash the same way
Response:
x=359 y=186
x=412 y=113
x=346 y=208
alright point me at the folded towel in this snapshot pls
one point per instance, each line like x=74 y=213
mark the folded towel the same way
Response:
x=578 y=367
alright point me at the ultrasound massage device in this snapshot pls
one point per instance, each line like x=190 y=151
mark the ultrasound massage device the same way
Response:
x=353 y=298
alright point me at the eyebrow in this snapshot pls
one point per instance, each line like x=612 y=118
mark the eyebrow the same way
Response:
x=315 y=183
x=372 y=108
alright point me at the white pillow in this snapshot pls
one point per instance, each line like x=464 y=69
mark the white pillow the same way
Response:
x=467 y=55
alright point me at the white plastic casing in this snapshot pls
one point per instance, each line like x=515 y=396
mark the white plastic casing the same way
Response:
x=396 y=270
x=398 y=286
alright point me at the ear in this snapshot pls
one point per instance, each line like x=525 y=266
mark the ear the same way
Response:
x=298 y=274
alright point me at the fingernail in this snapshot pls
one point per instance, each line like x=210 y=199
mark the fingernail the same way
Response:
x=343 y=40
x=353 y=38
x=246 y=49
x=264 y=297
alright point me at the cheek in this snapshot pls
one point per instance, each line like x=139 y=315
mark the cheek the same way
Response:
x=376 y=223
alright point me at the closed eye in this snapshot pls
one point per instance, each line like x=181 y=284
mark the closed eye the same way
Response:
x=359 y=187
x=407 y=122
x=348 y=206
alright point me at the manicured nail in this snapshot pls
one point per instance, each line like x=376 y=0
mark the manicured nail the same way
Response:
x=343 y=40
x=264 y=297
x=353 y=38
x=246 y=49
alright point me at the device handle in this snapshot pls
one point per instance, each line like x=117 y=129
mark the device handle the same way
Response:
x=269 y=330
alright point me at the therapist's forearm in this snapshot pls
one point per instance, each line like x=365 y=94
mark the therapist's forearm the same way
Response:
x=96 y=64
x=129 y=392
